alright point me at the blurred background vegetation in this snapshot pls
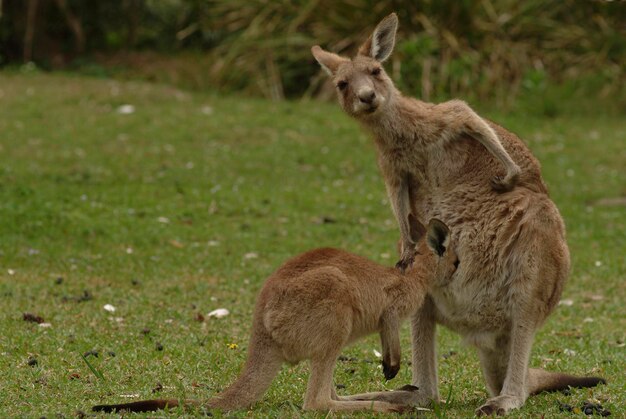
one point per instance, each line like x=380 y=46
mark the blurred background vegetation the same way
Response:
x=552 y=53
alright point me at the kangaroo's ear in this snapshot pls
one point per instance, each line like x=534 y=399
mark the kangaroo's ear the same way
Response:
x=327 y=60
x=381 y=42
x=438 y=236
x=416 y=229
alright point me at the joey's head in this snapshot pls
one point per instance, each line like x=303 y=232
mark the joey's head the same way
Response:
x=363 y=87
x=436 y=254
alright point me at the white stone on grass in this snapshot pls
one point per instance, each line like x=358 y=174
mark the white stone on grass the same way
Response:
x=219 y=313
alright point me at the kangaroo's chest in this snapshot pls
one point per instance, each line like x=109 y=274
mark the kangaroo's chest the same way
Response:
x=478 y=297
x=433 y=163
x=405 y=159
x=471 y=307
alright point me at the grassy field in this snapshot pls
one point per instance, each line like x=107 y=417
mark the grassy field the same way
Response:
x=186 y=202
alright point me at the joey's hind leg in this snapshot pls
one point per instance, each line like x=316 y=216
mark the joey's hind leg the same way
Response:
x=424 y=388
x=319 y=389
x=407 y=396
x=319 y=393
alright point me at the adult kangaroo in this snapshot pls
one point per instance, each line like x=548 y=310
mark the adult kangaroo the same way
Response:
x=438 y=162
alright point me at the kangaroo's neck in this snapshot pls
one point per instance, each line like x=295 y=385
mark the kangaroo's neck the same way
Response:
x=402 y=119
x=414 y=284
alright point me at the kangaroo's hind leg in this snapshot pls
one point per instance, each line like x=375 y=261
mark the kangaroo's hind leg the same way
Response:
x=493 y=363
x=424 y=388
x=319 y=392
x=513 y=393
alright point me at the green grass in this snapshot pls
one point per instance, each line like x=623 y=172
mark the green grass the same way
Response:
x=154 y=213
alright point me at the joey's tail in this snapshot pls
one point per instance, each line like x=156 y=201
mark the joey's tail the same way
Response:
x=263 y=363
x=143 y=405
x=541 y=380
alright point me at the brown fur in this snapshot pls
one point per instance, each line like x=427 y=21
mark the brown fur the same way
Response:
x=317 y=303
x=407 y=131
x=511 y=244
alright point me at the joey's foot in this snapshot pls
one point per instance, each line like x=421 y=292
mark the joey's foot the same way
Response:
x=507 y=183
x=407 y=395
x=390 y=371
x=500 y=405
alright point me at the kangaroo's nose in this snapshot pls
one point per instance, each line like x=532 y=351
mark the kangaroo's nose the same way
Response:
x=367 y=96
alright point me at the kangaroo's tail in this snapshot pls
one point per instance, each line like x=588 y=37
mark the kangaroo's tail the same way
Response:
x=541 y=380
x=263 y=363
x=144 y=405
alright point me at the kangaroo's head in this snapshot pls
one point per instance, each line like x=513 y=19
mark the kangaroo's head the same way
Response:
x=362 y=85
x=436 y=255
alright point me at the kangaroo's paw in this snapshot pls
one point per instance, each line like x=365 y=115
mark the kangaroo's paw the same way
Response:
x=390 y=371
x=502 y=184
x=506 y=183
x=500 y=405
x=405 y=261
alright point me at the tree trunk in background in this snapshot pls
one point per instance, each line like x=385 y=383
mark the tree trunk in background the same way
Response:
x=74 y=24
x=133 y=9
x=29 y=34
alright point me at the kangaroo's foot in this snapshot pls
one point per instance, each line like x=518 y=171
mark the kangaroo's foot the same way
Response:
x=407 y=395
x=500 y=405
x=356 y=405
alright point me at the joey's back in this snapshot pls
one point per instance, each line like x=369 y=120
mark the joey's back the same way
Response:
x=318 y=286
x=300 y=304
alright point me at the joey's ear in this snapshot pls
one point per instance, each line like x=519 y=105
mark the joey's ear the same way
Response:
x=416 y=229
x=380 y=44
x=330 y=62
x=438 y=236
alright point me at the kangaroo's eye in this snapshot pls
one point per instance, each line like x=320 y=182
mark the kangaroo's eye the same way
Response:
x=456 y=264
x=342 y=85
x=376 y=71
